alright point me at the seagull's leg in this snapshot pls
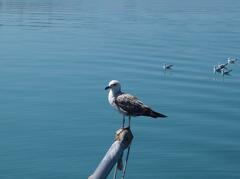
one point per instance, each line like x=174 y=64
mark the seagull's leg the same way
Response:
x=129 y=121
x=123 y=121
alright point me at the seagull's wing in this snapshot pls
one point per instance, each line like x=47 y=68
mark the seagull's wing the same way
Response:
x=130 y=104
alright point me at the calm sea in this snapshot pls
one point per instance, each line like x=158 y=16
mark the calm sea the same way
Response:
x=56 y=57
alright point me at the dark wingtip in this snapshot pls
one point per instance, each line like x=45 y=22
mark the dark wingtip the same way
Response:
x=149 y=112
x=161 y=115
x=157 y=114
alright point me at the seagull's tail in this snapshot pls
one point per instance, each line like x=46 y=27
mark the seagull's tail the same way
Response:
x=153 y=114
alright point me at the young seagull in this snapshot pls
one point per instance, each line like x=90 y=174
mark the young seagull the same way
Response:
x=127 y=104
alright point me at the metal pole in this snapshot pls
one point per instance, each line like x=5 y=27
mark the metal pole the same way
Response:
x=123 y=139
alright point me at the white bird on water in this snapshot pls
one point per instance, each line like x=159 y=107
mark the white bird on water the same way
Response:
x=231 y=60
x=167 y=66
x=218 y=68
x=127 y=104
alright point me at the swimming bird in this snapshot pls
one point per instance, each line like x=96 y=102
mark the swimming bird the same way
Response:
x=218 y=68
x=167 y=66
x=127 y=104
x=231 y=60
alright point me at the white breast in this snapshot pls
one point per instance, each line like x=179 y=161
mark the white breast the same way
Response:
x=111 y=100
x=110 y=97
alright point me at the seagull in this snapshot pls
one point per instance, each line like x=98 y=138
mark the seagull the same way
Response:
x=231 y=60
x=166 y=66
x=218 y=68
x=127 y=104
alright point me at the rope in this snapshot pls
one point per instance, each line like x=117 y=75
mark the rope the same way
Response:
x=126 y=161
x=125 y=166
x=115 y=172
x=129 y=147
x=127 y=156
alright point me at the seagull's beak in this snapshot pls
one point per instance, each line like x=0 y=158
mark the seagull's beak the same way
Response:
x=108 y=87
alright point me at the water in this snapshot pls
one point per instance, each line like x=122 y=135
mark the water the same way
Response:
x=57 y=56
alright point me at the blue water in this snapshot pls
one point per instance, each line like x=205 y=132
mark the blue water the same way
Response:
x=56 y=57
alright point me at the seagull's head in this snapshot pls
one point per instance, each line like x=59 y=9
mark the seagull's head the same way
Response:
x=114 y=86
